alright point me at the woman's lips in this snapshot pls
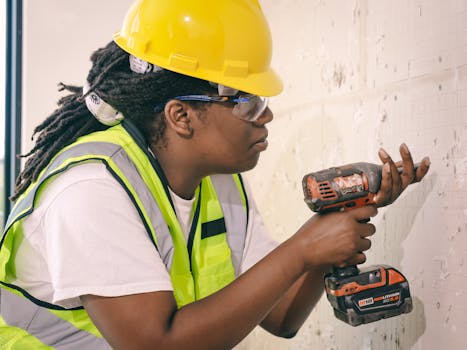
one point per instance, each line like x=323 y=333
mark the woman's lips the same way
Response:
x=261 y=145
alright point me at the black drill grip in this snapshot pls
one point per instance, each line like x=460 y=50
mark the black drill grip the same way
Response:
x=348 y=270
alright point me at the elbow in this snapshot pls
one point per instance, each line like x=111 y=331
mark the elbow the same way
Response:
x=288 y=335
x=283 y=332
x=283 y=328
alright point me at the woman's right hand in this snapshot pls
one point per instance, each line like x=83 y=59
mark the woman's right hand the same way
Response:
x=336 y=239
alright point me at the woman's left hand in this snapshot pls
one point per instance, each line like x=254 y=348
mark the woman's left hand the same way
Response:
x=394 y=181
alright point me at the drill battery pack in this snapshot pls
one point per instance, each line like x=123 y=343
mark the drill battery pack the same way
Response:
x=371 y=294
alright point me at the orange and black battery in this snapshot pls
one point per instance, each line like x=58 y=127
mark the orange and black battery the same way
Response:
x=342 y=188
x=376 y=292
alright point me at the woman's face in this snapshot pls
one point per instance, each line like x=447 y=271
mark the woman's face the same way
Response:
x=226 y=143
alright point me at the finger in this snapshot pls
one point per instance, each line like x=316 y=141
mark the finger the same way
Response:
x=396 y=186
x=367 y=230
x=364 y=244
x=408 y=172
x=383 y=197
x=422 y=170
x=357 y=259
x=396 y=180
x=343 y=265
x=363 y=213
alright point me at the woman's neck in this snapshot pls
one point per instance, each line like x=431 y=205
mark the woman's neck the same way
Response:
x=179 y=170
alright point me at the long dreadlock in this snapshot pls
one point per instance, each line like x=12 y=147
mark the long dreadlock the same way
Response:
x=133 y=94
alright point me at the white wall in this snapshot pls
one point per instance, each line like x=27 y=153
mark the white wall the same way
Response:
x=59 y=37
x=359 y=74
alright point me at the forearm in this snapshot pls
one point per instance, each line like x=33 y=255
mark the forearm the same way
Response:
x=223 y=319
x=294 y=308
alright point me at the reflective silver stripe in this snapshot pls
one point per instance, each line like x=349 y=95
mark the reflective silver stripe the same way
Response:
x=128 y=168
x=105 y=148
x=123 y=162
x=235 y=216
x=45 y=326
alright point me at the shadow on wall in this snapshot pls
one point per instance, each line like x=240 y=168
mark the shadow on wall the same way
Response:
x=399 y=220
x=417 y=320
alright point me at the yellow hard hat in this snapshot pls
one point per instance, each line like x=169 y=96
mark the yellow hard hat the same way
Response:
x=223 y=41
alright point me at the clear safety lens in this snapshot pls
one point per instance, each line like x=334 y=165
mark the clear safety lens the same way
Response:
x=250 y=107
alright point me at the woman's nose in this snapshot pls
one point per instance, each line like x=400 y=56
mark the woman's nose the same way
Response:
x=265 y=117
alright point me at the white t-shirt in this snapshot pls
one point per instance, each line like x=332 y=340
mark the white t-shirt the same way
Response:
x=86 y=237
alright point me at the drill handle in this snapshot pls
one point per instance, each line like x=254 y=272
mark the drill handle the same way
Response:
x=348 y=270
x=345 y=271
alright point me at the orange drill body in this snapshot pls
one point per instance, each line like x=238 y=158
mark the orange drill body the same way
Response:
x=342 y=188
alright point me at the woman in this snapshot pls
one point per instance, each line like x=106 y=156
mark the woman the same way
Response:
x=132 y=226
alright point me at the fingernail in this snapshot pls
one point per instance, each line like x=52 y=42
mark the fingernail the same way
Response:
x=383 y=153
x=427 y=161
x=405 y=148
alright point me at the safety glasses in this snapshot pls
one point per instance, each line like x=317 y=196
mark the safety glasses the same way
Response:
x=247 y=107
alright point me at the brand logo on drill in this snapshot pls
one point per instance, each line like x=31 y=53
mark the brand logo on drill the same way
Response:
x=350 y=184
x=365 y=302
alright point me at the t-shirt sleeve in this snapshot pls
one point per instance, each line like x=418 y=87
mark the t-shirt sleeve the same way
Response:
x=259 y=242
x=96 y=244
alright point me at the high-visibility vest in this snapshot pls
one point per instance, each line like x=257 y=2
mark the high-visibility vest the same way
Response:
x=203 y=264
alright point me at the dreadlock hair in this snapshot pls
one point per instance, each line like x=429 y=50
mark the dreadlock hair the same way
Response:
x=133 y=94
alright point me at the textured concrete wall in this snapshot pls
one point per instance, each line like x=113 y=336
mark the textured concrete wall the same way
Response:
x=358 y=75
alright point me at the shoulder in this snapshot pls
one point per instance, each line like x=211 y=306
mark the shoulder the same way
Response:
x=79 y=189
x=86 y=175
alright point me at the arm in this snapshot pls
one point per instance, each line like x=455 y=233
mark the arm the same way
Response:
x=144 y=321
x=294 y=308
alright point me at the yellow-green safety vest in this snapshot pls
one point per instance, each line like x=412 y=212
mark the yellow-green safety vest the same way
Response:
x=204 y=264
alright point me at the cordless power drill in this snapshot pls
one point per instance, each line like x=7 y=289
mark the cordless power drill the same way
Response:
x=373 y=293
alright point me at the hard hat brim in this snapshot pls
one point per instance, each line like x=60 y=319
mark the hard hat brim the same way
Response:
x=265 y=84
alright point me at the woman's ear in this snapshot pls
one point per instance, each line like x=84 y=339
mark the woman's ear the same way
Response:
x=177 y=115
